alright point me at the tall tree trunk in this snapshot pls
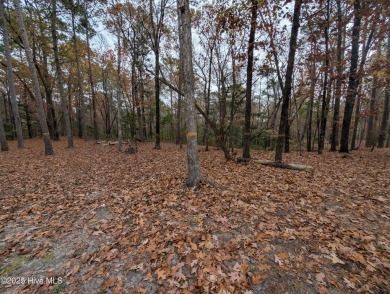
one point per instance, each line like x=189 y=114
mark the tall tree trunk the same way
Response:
x=119 y=94
x=366 y=48
x=5 y=102
x=313 y=81
x=222 y=110
x=10 y=76
x=51 y=114
x=372 y=115
x=233 y=95
x=28 y=120
x=325 y=102
x=43 y=74
x=37 y=93
x=386 y=106
x=64 y=105
x=3 y=138
x=82 y=114
x=90 y=76
x=157 y=95
x=287 y=133
x=353 y=80
x=356 y=123
x=288 y=83
x=194 y=173
x=208 y=98
x=339 y=73
x=179 y=95
x=249 y=75
x=140 y=103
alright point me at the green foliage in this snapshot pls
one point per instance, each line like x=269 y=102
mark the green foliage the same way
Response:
x=60 y=288
x=10 y=132
x=15 y=265
x=168 y=119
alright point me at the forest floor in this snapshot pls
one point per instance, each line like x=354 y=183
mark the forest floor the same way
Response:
x=99 y=221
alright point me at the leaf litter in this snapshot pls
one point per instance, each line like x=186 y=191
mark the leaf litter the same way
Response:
x=116 y=223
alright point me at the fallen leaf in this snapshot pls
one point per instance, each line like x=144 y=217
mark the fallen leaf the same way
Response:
x=320 y=277
x=335 y=259
x=109 y=283
x=258 y=279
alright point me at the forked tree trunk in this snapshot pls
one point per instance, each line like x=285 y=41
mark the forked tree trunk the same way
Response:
x=37 y=92
x=353 y=80
x=249 y=75
x=64 y=104
x=10 y=76
x=194 y=173
x=288 y=83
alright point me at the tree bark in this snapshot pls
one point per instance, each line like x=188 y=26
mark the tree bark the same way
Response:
x=372 y=115
x=43 y=74
x=155 y=38
x=37 y=93
x=82 y=115
x=179 y=95
x=64 y=105
x=386 y=106
x=366 y=49
x=325 y=101
x=208 y=98
x=157 y=96
x=119 y=94
x=194 y=173
x=339 y=73
x=313 y=81
x=3 y=138
x=90 y=76
x=353 y=80
x=288 y=83
x=249 y=76
x=11 y=81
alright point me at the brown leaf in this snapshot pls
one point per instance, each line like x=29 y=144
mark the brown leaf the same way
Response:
x=75 y=269
x=258 y=279
x=109 y=283
x=42 y=253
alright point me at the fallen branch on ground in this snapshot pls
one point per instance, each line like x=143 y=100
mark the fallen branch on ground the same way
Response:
x=285 y=165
